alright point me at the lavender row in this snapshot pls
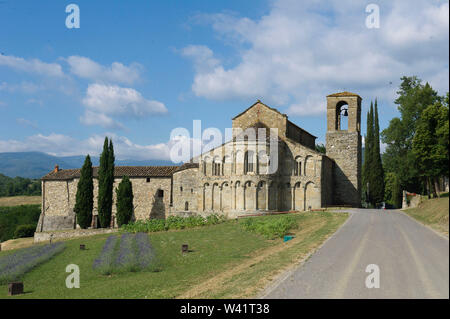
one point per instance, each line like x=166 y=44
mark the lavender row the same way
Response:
x=145 y=253
x=104 y=262
x=15 y=265
x=126 y=256
x=132 y=253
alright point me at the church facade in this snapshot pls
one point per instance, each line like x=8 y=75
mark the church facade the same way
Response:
x=269 y=165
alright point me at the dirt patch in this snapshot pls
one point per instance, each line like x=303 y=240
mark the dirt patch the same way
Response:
x=20 y=200
x=17 y=243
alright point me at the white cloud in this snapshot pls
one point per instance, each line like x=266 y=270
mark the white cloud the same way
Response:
x=104 y=101
x=117 y=73
x=202 y=57
x=35 y=66
x=300 y=52
x=94 y=118
x=26 y=122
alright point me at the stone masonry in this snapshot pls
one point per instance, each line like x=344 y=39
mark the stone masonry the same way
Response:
x=259 y=170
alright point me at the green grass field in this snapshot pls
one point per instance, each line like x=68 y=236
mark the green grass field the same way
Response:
x=224 y=261
x=432 y=212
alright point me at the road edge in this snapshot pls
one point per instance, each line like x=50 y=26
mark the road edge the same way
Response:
x=422 y=224
x=285 y=274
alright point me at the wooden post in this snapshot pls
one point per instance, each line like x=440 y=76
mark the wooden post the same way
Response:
x=15 y=288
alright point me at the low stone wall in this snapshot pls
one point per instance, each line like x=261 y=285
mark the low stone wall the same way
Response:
x=414 y=201
x=73 y=233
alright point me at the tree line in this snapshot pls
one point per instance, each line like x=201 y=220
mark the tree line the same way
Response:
x=417 y=142
x=84 y=202
x=19 y=186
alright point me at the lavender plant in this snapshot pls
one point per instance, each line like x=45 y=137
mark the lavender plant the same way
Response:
x=145 y=254
x=130 y=253
x=126 y=256
x=15 y=265
x=104 y=263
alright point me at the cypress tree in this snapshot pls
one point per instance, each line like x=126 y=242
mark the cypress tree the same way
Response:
x=124 y=203
x=104 y=206
x=367 y=166
x=111 y=159
x=377 y=185
x=84 y=201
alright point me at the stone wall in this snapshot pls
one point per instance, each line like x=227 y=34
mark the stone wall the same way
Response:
x=345 y=149
x=261 y=113
x=68 y=234
x=185 y=190
x=59 y=201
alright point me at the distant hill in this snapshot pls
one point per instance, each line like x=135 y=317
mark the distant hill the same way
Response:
x=37 y=164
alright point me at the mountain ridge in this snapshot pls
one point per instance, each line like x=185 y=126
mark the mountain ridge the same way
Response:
x=38 y=164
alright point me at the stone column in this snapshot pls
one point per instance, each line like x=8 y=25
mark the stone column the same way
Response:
x=256 y=197
x=292 y=197
x=220 y=199
x=267 y=196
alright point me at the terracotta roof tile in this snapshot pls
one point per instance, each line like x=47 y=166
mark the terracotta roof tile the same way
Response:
x=119 y=171
x=345 y=93
x=186 y=166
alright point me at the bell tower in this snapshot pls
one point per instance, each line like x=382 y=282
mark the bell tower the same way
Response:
x=344 y=146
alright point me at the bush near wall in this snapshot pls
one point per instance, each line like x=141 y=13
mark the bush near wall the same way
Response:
x=172 y=222
x=14 y=216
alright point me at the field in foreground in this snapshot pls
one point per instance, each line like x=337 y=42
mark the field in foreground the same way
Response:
x=432 y=212
x=224 y=261
x=20 y=200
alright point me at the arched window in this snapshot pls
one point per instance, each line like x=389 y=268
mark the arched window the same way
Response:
x=186 y=206
x=216 y=167
x=297 y=171
x=248 y=162
x=342 y=116
x=204 y=167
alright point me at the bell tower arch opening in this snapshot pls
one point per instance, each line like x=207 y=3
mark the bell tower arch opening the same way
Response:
x=342 y=116
x=343 y=145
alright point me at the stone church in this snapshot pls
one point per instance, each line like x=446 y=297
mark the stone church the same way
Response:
x=269 y=165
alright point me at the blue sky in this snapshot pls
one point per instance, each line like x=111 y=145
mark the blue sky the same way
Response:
x=136 y=70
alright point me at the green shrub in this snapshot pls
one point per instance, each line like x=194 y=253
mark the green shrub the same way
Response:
x=24 y=231
x=172 y=222
x=270 y=227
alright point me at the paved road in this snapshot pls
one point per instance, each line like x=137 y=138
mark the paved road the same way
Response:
x=413 y=261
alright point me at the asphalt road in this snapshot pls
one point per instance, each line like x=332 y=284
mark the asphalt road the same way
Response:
x=413 y=261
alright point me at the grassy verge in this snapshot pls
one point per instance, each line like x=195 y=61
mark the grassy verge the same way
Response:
x=432 y=212
x=250 y=278
x=217 y=255
x=20 y=200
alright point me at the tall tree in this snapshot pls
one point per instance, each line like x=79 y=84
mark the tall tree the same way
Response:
x=84 y=200
x=413 y=98
x=367 y=165
x=377 y=173
x=124 y=202
x=430 y=144
x=105 y=185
